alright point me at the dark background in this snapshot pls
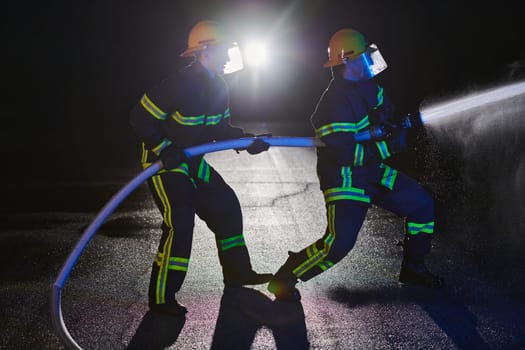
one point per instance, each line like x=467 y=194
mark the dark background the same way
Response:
x=75 y=69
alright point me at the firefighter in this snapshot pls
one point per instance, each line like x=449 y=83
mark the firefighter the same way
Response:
x=355 y=119
x=191 y=108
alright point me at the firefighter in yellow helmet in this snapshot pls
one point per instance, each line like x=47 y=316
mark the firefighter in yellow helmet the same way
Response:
x=186 y=109
x=356 y=121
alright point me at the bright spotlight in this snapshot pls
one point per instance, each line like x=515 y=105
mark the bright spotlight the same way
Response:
x=256 y=54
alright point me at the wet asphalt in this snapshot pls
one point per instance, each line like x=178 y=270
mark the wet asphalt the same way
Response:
x=358 y=304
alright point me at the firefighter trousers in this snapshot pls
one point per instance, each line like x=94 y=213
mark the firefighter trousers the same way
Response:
x=179 y=197
x=345 y=217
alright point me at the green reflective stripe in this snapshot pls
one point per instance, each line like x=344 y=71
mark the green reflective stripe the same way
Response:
x=389 y=176
x=204 y=171
x=319 y=255
x=227 y=113
x=380 y=97
x=329 y=239
x=342 y=127
x=157 y=149
x=188 y=121
x=175 y=263
x=383 y=149
x=213 y=119
x=415 y=228
x=359 y=154
x=345 y=193
x=228 y=243
x=160 y=290
x=346 y=174
x=325 y=265
x=152 y=108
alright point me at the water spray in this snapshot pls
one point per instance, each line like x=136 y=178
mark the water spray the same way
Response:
x=433 y=114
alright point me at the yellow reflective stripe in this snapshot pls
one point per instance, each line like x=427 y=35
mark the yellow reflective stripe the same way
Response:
x=389 y=176
x=160 y=290
x=144 y=155
x=415 y=228
x=157 y=149
x=227 y=113
x=383 y=149
x=342 y=127
x=175 y=263
x=319 y=255
x=345 y=193
x=152 y=108
x=190 y=121
x=311 y=250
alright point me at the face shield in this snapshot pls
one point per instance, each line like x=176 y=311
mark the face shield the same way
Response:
x=367 y=65
x=235 y=62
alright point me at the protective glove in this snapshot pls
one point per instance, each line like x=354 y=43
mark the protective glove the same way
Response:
x=374 y=133
x=412 y=120
x=172 y=157
x=257 y=146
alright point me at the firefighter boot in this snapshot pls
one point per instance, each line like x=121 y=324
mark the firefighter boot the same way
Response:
x=171 y=308
x=283 y=283
x=237 y=269
x=413 y=269
x=415 y=272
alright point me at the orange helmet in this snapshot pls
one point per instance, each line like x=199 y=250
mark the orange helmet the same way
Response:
x=203 y=34
x=345 y=43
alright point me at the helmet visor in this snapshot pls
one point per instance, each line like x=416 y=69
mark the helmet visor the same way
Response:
x=368 y=64
x=235 y=62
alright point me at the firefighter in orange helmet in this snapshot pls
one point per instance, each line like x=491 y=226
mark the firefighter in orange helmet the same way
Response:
x=187 y=109
x=356 y=121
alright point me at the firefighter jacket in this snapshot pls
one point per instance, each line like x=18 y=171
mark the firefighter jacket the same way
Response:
x=187 y=109
x=346 y=108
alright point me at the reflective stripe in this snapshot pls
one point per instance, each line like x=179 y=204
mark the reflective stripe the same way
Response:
x=213 y=119
x=346 y=193
x=346 y=174
x=342 y=127
x=325 y=265
x=204 y=171
x=389 y=176
x=316 y=256
x=175 y=263
x=359 y=154
x=144 y=155
x=152 y=108
x=379 y=97
x=383 y=149
x=189 y=121
x=157 y=149
x=228 y=243
x=227 y=113
x=415 y=228
x=160 y=289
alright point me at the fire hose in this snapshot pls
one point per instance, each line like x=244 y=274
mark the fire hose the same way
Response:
x=122 y=194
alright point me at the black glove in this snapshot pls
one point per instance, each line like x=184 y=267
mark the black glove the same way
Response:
x=172 y=157
x=412 y=120
x=257 y=146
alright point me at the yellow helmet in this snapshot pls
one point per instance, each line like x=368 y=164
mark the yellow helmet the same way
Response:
x=203 y=34
x=345 y=43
